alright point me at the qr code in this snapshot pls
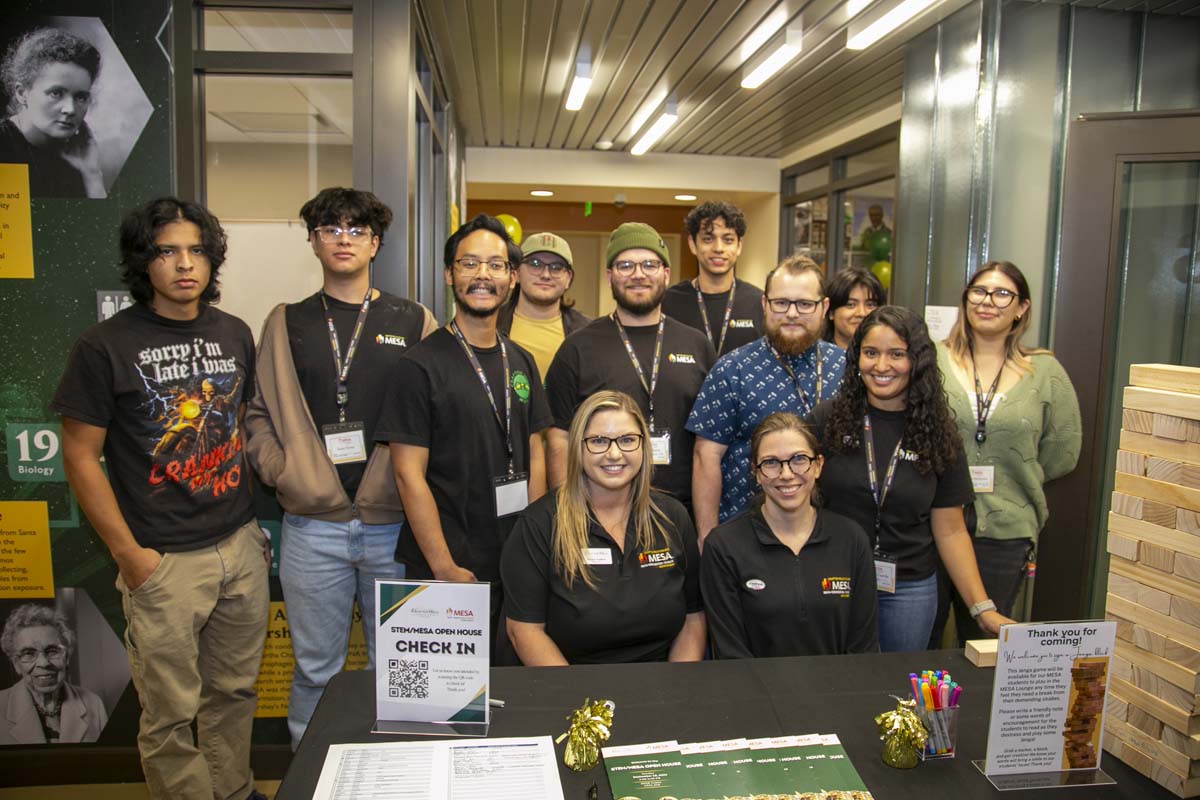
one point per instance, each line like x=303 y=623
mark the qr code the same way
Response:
x=408 y=678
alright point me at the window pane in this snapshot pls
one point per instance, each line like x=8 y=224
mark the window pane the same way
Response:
x=810 y=225
x=808 y=181
x=279 y=31
x=271 y=143
x=867 y=231
x=885 y=156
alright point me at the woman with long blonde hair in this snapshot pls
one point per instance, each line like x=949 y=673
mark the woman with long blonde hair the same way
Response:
x=604 y=569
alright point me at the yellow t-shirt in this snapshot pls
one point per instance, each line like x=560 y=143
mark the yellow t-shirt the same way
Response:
x=541 y=337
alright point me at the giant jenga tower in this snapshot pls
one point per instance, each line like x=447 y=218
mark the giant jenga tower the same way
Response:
x=1153 y=720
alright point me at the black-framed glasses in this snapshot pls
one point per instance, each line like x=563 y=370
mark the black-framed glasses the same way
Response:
x=333 y=233
x=781 y=305
x=52 y=653
x=495 y=266
x=773 y=467
x=1001 y=298
x=540 y=266
x=651 y=267
x=598 y=445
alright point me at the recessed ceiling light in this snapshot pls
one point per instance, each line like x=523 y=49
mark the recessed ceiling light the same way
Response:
x=542 y=193
x=685 y=197
x=604 y=144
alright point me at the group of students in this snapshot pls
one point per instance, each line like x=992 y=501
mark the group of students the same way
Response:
x=400 y=448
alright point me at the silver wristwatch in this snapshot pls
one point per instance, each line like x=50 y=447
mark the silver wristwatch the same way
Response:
x=980 y=607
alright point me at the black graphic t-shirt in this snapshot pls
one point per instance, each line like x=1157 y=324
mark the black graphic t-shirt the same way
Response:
x=437 y=401
x=393 y=325
x=745 y=320
x=169 y=394
x=595 y=358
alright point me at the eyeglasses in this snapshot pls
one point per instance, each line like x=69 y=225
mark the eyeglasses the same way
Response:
x=781 y=305
x=1001 y=298
x=598 y=445
x=332 y=233
x=539 y=267
x=650 y=267
x=495 y=266
x=52 y=653
x=773 y=467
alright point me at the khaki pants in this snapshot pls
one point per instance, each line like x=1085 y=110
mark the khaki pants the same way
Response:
x=195 y=632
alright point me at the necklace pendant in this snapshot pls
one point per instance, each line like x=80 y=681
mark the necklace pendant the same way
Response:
x=980 y=436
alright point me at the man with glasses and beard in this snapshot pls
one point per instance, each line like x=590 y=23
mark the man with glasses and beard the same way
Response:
x=463 y=417
x=637 y=350
x=788 y=369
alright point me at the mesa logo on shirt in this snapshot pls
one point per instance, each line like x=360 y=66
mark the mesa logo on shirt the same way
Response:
x=681 y=358
x=392 y=339
x=662 y=559
x=838 y=586
x=741 y=323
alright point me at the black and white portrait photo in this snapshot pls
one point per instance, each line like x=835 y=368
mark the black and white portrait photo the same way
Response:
x=72 y=108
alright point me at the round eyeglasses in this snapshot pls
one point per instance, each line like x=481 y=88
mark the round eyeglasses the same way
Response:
x=773 y=467
x=1001 y=298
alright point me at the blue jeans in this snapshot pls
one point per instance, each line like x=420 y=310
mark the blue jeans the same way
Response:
x=323 y=567
x=906 y=617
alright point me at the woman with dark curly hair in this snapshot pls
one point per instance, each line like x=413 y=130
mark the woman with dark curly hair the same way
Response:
x=895 y=464
x=48 y=75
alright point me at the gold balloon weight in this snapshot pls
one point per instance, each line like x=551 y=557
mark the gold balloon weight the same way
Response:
x=903 y=734
x=591 y=725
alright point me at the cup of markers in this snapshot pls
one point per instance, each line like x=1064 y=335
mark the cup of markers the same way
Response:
x=937 y=705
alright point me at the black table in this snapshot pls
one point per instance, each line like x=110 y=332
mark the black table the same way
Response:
x=720 y=700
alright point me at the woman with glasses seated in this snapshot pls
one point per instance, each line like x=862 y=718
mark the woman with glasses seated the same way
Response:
x=894 y=463
x=604 y=569
x=43 y=707
x=785 y=578
x=853 y=293
x=1018 y=417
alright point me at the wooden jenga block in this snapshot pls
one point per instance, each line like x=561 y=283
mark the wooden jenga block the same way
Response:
x=1163 y=689
x=1190 y=476
x=1172 y=627
x=1187 y=567
x=1124 y=628
x=1147 y=576
x=1157 y=600
x=1175 y=379
x=1142 y=660
x=1184 y=452
x=1137 y=421
x=1143 y=721
x=1127 y=505
x=1176 y=761
x=1163 y=469
x=1160 y=558
x=1158 y=513
x=1122 y=669
x=1122 y=586
x=1133 y=463
x=1157 y=708
x=1123 y=546
x=1115 y=707
x=1185 y=610
x=1184 y=655
x=1181 y=742
x=1188 y=521
x=1162 y=401
x=1167 y=426
x=1126 y=752
x=1150 y=641
x=1171 y=494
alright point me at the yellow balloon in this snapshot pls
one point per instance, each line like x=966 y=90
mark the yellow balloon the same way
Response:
x=883 y=271
x=512 y=226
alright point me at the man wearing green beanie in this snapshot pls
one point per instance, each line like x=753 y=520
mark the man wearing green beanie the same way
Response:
x=659 y=362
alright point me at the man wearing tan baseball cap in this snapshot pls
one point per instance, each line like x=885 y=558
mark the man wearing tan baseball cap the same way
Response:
x=540 y=316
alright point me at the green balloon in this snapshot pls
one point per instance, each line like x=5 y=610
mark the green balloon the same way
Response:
x=880 y=246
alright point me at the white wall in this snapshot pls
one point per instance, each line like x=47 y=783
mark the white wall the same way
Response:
x=268 y=263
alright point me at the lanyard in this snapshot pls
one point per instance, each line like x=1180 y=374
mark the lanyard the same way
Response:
x=505 y=423
x=983 y=403
x=342 y=368
x=791 y=373
x=637 y=366
x=704 y=313
x=877 y=491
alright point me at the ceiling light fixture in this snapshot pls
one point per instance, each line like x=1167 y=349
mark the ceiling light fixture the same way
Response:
x=643 y=116
x=787 y=50
x=685 y=197
x=660 y=126
x=762 y=33
x=542 y=193
x=855 y=7
x=579 y=86
x=882 y=26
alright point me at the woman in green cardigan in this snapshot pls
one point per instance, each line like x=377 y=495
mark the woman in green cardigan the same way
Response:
x=1019 y=419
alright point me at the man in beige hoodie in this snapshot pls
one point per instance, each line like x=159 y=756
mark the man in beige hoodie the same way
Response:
x=324 y=364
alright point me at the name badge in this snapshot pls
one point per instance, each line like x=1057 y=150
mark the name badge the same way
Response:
x=344 y=442
x=512 y=493
x=597 y=555
x=983 y=479
x=660 y=448
x=885 y=573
